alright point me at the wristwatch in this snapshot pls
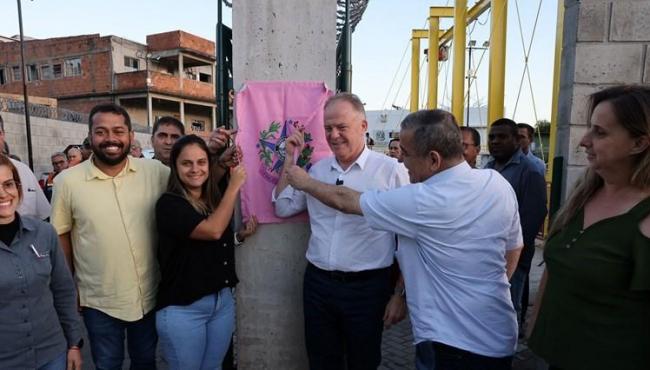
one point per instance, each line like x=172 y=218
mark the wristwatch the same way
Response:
x=237 y=241
x=79 y=344
x=400 y=291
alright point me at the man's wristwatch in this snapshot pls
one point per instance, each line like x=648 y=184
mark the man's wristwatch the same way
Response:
x=237 y=241
x=400 y=291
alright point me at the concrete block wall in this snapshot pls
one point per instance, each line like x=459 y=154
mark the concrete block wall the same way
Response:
x=605 y=43
x=48 y=136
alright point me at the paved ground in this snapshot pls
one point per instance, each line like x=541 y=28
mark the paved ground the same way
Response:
x=397 y=346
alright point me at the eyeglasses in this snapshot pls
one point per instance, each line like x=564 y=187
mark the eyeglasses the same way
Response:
x=10 y=186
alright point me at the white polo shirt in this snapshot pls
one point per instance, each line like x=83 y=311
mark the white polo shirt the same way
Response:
x=454 y=230
x=34 y=202
x=340 y=241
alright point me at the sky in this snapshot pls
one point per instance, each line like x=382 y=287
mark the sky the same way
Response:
x=380 y=42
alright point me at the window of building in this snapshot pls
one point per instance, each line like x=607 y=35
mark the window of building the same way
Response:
x=131 y=62
x=46 y=72
x=57 y=71
x=72 y=67
x=204 y=77
x=32 y=72
x=16 y=74
x=198 y=125
x=3 y=77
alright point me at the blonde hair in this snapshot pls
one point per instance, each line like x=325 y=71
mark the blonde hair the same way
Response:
x=631 y=107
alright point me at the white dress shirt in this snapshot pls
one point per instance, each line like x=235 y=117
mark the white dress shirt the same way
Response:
x=454 y=230
x=339 y=241
x=34 y=202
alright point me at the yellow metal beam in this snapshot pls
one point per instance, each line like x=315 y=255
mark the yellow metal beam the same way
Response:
x=434 y=25
x=556 y=88
x=435 y=13
x=415 y=70
x=496 y=82
x=458 y=73
x=441 y=11
x=420 y=34
x=472 y=14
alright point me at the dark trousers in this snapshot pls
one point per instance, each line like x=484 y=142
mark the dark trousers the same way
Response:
x=438 y=356
x=344 y=318
x=106 y=335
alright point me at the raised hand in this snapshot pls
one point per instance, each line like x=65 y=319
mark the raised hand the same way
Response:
x=237 y=176
x=297 y=177
x=219 y=139
x=293 y=142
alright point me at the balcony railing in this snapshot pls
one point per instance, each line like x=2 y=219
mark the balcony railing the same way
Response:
x=164 y=84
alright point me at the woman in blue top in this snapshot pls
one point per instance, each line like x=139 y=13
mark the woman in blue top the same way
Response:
x=196 y=314
x=39 y=323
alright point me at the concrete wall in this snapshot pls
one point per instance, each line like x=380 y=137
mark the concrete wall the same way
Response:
x=48 y=136
x=605 y=43
x=277 y=40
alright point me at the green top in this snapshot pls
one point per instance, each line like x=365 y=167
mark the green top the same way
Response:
x=595 y=312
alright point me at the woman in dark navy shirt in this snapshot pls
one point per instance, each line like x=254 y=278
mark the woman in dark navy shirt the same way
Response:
x=196 y=313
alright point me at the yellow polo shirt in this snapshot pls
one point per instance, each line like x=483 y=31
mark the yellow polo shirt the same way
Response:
x=112 y=226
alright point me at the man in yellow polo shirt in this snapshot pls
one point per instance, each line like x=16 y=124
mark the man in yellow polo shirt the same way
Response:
x=103 y=211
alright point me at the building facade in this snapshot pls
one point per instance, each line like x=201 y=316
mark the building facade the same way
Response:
x=172 y=75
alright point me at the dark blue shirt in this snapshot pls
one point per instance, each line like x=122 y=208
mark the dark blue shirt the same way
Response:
x=530 y=188
x=38 y=304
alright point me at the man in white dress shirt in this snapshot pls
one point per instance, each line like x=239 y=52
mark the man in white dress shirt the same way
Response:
x=347 y=284
x=459 y=241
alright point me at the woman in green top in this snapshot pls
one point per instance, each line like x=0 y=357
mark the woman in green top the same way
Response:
x=594 y=298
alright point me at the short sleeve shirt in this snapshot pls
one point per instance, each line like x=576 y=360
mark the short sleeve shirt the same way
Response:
x=112 y=225
x=454 y=230
x=190 y=268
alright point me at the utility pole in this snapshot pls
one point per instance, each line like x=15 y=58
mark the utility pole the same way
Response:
x=222 y=103
x=25 y=95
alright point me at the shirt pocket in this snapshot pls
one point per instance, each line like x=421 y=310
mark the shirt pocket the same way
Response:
x=42 y=265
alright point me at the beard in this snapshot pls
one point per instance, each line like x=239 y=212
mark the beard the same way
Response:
x=99 y=154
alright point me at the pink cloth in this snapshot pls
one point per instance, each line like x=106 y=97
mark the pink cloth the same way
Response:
x=267 y=112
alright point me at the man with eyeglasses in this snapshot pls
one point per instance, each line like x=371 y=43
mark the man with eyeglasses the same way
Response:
x=34 y=202
x=471 y=145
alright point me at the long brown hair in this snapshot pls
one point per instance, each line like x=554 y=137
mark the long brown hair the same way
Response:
x=210 y=194
x=631 y=107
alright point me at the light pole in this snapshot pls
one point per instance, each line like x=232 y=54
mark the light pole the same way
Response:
x=28 y=125
x=471 y=45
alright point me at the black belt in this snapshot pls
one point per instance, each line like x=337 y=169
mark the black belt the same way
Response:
x=347 y=276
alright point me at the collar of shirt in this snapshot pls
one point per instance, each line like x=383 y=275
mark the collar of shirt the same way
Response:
x=515 y=159
x=360 y=161
x=92 y=172
x=450 y=173
x=25 y=224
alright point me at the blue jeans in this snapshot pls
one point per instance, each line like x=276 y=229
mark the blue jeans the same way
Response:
x=344 y=318
x=59 y=363
x=437 y=356
x=197 y=336
x=106 y=336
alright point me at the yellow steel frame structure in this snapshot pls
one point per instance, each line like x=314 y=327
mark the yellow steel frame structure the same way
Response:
x=435 y=13
x=416 y=35
x=497 y=69
x=556 y=88
x=458 y=72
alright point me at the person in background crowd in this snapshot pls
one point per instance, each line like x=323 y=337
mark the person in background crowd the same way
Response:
x=530 y=188
x=74 y=156
x=86 y=149
x=459 y=241
x=39 y=324
x=136 y=149
x=196 y=313
x=166 y=130
x=349 y=293
x=59 y=163
x=594 y=296
x=526 y=139
x=369 y=141
x=104 y=214
x=34 y=203
x=471 y=144
x=394 y=150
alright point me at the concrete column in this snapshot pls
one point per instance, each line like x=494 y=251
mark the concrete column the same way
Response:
x=182 y=112
x=213 y=110
x=277 y=40
x=149 y=111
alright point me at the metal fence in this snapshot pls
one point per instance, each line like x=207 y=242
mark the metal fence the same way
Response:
x=44 y=111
